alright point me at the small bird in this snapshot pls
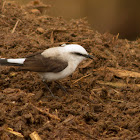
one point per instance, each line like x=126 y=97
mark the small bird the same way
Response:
x=52 y=64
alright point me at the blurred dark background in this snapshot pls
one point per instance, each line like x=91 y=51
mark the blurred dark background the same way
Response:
x=114 y=16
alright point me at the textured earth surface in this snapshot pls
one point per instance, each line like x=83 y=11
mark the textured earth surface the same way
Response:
x=103 y=99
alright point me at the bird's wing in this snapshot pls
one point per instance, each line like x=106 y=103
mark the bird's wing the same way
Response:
x=39 y=63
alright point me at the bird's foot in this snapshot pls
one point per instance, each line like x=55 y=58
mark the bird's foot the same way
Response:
x=49 y=89
x=61 y=87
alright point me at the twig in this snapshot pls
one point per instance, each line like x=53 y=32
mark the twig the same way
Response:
x=52 y=37
x=3 y=4
x=10 y=130
x=115 y=38
x=15 y=26
x=113 y=100
x=47 y=113
x=81 y=78
x=92 y=92
x=113 y=84
x=70 y=118
x=66 y=121
x=65 y=30
x=89 y=100
x=97 y=89
x=35 y=136
x=86 y=64
x=117 y=84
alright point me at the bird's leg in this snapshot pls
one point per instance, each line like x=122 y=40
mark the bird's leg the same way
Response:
x=61 y=87
x=48 y=88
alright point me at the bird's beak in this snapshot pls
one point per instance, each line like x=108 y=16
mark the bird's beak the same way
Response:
x=90 y=56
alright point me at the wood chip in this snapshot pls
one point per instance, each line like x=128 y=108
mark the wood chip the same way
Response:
x=10 y=130
x=124 y=73
x=120 y=72
x=117 y=84
x=40 y=30
x=35 y=11
x=35 y=136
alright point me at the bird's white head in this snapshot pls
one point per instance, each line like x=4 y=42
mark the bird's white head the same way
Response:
x=76 y=52
x=75 y=48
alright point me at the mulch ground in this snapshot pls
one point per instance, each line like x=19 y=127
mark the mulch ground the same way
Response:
x=103 y=99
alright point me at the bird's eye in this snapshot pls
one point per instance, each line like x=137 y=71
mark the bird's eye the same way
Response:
x=83 y=55
x=77 y=53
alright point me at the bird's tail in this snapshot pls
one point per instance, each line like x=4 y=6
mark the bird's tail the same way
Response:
x=12 y=62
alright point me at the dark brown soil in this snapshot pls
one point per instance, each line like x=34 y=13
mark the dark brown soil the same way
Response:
x=103 y=100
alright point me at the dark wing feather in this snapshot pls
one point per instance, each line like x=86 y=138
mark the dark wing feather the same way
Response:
x=39 y=63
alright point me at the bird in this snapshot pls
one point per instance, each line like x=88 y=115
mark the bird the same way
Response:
x=53 y=63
